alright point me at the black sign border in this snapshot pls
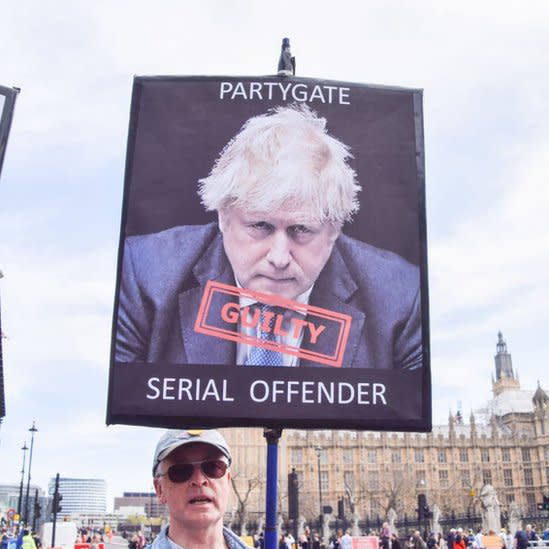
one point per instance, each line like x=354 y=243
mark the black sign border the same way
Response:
x=421 y=423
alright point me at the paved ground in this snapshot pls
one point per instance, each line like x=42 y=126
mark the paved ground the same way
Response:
x=116 y=543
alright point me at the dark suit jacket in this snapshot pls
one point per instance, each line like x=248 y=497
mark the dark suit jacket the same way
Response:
x=164 y=275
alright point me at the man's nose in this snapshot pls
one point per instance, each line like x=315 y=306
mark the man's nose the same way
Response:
x=198 y=477
x=280 y=250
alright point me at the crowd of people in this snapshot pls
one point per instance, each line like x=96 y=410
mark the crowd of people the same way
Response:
x=91 y=537
x=457 y=538
x=24 y=539
x=138 y=541
x=310 y=540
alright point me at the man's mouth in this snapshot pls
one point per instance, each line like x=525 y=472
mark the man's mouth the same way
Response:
x=279 y=278
x=200 y=500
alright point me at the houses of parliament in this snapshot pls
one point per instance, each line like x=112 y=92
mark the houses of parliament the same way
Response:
x=505 y=445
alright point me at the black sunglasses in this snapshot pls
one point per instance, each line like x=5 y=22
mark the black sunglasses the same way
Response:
x=182 y=472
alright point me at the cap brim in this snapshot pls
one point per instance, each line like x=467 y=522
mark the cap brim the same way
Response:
x=167 y=451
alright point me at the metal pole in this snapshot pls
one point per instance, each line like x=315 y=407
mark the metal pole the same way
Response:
x=55 y=506
x=35 y=508
x=272 y=436
x=318 y=451
x=20 y=501
x=33 y=430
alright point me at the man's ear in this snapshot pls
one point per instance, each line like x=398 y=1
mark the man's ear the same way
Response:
x=222 y=219
x=336 y=231
x=159 y=492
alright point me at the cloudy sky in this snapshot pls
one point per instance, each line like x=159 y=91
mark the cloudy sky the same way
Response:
x=484 y=69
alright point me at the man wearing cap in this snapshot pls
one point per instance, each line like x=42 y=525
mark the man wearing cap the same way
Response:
x=191 y=476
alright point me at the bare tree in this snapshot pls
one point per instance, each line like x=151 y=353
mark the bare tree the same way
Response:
x=308 y=500
x=396 y=487
x=242 y=494
x=391 y=491
x=356 y=494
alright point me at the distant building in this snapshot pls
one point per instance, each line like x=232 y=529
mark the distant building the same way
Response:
x=9 y=496
x=145 y=500
x=81 y=495
x=97 y=522
x=506 y=444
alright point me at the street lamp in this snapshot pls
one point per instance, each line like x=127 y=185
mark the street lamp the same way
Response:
x=20 y=501
x=421 y=504
x=318 y=451
x=32 y=430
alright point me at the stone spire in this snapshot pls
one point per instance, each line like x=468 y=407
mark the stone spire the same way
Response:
x=451 y=425
x=494 y=426
x=473 y=425
x=505 y=375
x=540 y=398
x=541 y=408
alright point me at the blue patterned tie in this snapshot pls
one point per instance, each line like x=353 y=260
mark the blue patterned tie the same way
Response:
x=259 y=356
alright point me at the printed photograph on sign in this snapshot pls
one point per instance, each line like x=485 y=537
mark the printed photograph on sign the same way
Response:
x=273 y=230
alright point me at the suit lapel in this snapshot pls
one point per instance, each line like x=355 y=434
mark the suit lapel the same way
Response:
x=334 y=291
x=200 y=348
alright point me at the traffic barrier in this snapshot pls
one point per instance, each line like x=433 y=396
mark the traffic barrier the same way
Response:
x=100 y=545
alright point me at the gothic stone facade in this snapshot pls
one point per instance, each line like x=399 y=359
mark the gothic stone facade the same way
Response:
x=506 y=445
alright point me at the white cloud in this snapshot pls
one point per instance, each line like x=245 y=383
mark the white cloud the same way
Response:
x=504 y=249
x=486 y=119
x=56 y=310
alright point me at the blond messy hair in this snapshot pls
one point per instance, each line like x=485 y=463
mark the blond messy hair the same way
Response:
x=284 y=158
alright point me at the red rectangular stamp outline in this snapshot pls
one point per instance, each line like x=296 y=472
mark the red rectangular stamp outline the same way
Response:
x=334 y=359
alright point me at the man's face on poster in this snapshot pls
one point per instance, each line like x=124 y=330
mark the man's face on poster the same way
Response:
x=278 y=252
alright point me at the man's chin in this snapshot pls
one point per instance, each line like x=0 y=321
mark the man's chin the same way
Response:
x=202 y=512
x=286 y=288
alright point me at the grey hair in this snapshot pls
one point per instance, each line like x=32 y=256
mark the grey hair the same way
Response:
x=284 y=157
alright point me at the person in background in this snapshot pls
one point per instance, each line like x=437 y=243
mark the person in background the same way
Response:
x=521 y=539
x=133 y=542
x=531 y=532
x=395 y=542
x=28 y=540
x=37 y=540
x=451 y=538
x=459 y=542
x=385 y=535
x=432 y=541
x=289 y=540
x=479 y=539
x=416 y=541
x=347 y=540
